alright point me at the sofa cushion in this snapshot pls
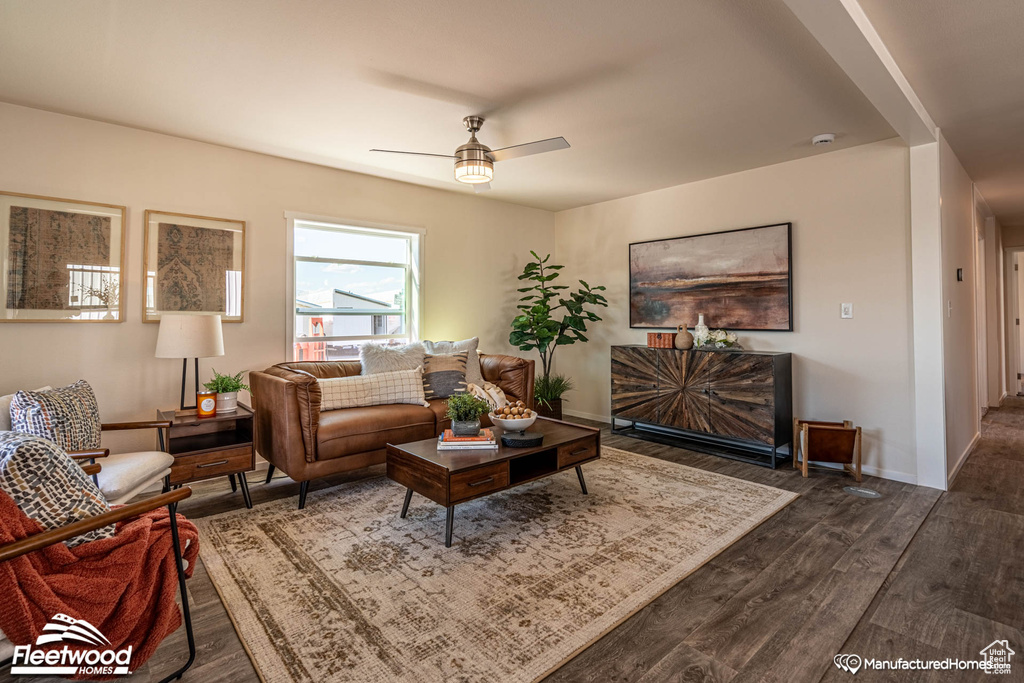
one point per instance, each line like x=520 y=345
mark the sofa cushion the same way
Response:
x=375 y=358
x=69 y=416
x=5 y=420
x=473 y=372
x=122 y=473
x=444 y=375
x=48 y=486
x=400 y=386
x=355 y=430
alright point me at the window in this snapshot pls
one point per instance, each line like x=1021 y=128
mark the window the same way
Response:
x=351 y=285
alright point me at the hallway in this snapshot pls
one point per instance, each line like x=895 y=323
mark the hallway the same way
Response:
x=960 y=583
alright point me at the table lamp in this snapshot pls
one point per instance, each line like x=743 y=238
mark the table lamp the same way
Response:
x=189 y=336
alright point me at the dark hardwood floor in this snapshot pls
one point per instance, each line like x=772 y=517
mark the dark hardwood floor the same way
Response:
x=915 y=574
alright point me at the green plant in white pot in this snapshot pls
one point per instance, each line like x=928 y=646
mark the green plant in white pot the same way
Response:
x=227 y=388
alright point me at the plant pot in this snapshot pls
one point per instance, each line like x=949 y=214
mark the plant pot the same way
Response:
x=227 y=402
x=466 y=427
x=553 y=410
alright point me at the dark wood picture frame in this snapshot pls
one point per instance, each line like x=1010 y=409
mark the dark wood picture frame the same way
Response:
x=634 y=323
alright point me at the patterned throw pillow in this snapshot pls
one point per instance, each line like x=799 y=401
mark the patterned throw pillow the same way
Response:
x=49 y=486
x=444 y=375
x=375 y=358
x=473 y=373
x=68 y=416
x=402 y=386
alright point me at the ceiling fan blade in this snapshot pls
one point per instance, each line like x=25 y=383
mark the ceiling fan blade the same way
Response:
x=419 y=154
x=481 y=187
x=549 y=145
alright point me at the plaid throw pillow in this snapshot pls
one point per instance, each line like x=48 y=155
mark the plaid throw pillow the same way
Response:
x=444 y=375
x=49 y=486
x=382 y=388
x=68 y=416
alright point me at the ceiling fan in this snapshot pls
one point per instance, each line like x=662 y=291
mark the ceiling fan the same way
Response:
x=474 y=161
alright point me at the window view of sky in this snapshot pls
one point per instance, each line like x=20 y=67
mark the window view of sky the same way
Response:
x=316 y=282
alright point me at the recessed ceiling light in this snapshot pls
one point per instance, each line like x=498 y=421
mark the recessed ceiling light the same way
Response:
x=823 y=139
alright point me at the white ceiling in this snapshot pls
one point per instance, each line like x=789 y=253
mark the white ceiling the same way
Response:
x=649 y=94
x=965 y=61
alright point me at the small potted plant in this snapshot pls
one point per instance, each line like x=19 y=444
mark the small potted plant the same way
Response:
x=547 y=394
x=227 y=388
x=464 y=410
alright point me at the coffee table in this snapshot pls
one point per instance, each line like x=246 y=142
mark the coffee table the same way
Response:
x=452 y=477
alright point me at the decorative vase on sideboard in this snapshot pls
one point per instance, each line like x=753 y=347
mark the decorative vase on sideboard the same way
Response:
x=553 y=410
x=684 y=340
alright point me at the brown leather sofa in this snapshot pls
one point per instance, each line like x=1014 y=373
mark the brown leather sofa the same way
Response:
x=306 y=443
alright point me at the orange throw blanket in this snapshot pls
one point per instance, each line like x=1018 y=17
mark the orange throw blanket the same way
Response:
x=125 y=586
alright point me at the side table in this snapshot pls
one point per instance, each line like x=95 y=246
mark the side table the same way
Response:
x=208 y=447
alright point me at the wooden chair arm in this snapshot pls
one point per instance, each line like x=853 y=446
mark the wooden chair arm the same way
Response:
x=90 y=470
x=9 y=551
x=89 y=455
x=149 y=424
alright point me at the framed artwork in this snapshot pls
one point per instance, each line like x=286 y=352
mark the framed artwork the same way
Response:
x=63 y=259
x=738 y=280
x=193 y=264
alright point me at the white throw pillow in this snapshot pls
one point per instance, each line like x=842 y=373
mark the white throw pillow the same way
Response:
x=447 y=348
x=401 y=386
x=376 y=358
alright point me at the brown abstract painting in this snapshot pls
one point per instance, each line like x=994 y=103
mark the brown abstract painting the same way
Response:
x=192 y=267
x=738 y=280
x=46 y=250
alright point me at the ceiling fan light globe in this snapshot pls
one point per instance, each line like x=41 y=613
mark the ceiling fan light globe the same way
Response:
x=473 y=172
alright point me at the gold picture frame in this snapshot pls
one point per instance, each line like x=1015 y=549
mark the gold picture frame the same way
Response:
x=63 y=259
x=193 y=264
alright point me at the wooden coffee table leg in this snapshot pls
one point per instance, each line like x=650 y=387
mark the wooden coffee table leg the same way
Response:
x=583 y=484
x=448 y=526
x=405 y=505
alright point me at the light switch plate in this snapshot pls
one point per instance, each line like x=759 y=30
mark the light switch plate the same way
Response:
x=845 y=310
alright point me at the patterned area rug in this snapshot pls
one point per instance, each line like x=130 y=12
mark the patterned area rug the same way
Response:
x=346 y=590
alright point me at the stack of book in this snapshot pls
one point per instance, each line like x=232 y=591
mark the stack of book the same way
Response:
x=449 y=442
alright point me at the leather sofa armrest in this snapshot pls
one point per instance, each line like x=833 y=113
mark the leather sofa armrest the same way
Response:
x=287 y=405
x=514 y=375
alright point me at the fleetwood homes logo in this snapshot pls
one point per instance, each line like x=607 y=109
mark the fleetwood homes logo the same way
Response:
x=101 y=660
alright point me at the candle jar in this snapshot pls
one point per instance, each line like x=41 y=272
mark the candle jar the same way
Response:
x=206 y=403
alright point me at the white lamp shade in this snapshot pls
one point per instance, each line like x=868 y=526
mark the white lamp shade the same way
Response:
x=189 y=336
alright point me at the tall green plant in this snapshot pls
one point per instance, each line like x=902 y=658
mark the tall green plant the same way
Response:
x=551 y=316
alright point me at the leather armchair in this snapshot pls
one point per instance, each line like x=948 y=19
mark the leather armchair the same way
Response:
x=294 y=436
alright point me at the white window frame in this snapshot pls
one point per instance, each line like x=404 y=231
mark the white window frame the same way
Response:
x=413 y=274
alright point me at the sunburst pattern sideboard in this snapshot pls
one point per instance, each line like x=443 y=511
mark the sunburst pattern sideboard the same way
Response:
x=737 y=404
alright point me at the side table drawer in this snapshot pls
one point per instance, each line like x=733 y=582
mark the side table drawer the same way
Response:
x=571 y=453
x=465 y=485
x=203 y=465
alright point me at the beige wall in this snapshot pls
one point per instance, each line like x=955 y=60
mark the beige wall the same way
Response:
x=959 y=242
x=474 y=248
x=851 y=231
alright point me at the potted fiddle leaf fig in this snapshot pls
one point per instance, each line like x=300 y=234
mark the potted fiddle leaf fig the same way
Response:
x=227 y=388
x=550 y=316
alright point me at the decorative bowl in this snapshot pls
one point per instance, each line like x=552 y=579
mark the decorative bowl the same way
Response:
x=518 y=424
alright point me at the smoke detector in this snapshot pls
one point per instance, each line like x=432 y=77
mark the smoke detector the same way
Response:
x=823 y=139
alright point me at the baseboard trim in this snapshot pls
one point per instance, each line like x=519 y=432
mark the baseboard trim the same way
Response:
x=963 y=458
x=902 y=477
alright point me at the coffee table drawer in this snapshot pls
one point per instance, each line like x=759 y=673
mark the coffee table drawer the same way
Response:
x=571 y=453
x=203 y=465
x=465 y=485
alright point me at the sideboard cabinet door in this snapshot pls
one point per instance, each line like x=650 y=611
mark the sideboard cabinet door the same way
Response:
x=635 y=383
x=683 y=390
x=742 y=396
